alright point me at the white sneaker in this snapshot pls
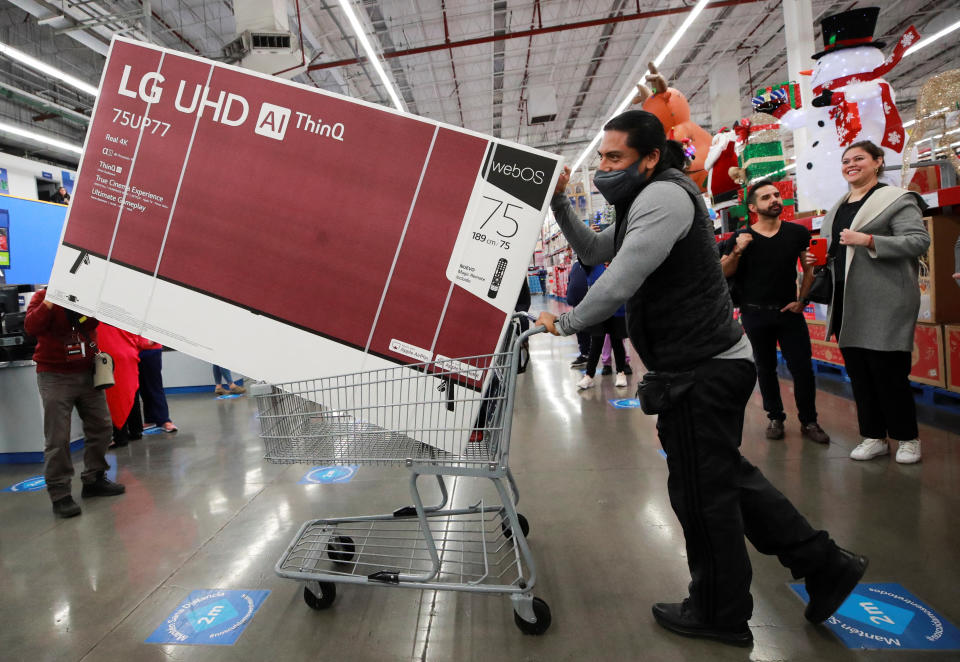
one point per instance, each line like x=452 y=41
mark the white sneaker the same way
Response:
x=908 y=452
x=621 y=379
x=869 y=449
x=585 y=383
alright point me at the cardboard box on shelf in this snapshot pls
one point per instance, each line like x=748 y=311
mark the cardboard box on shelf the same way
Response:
x=925 y=180
x=818 y=330
x=939 y=294
x=927 y=357
x=951 y=343
x=828 y=352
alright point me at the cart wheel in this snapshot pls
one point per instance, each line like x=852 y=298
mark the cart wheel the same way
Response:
x=328 y=593
x=524 y=527
x=342 y=549
x=542 y=611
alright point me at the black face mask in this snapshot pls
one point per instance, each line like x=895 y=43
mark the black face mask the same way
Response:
x=618 y=186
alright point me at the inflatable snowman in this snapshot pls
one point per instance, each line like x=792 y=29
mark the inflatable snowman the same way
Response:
x=852 y=103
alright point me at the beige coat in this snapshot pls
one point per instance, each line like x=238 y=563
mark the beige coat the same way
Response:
x=881 y=296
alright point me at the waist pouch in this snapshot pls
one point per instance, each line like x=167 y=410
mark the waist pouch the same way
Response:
x=661 y=391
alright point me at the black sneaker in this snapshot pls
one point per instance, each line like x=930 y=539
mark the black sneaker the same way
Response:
x=830 y=585
x=676 y=618
x=66 y=507
x=627 y=370
x=814 y=432
x=775 y=429
x=579 y=362
x=102 y=486
x=607 y=370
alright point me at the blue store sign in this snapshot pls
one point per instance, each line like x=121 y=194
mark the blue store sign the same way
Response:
x=328 y=475
x=887 y=616
x=209 y=617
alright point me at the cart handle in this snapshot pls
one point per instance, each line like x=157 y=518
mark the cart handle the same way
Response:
x=532 y=331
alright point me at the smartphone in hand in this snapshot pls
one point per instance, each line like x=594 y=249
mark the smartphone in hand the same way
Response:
x=818 y=247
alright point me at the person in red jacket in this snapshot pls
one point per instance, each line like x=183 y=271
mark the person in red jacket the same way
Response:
x=66 y=345
x=122 y=401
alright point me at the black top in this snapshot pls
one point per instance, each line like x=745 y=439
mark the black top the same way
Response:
x=767 y=271
x=682 y=316
x=841 y=221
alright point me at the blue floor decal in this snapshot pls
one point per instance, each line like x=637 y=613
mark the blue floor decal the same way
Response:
x=32 y=484
x=328 y=475
x=625 y=403
x=663 y=453
x=887 y=616
x=37 y=483
x=153 y=430
x=209 y=617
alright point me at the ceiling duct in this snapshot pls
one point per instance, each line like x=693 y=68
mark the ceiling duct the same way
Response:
x=264 y=41
x=542 y=104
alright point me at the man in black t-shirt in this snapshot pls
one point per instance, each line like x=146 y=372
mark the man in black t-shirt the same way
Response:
x=762 y=263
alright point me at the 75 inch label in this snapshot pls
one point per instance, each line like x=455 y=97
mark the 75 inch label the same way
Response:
x=501 y=221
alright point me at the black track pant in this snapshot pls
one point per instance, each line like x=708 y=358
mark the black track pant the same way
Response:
x=719 y=497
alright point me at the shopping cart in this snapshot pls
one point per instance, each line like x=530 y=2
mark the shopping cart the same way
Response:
x=450 y=417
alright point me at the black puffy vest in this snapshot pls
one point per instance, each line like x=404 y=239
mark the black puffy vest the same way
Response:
x=682 y=314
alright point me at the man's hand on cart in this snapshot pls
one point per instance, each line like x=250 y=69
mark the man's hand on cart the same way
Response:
x=548 y=320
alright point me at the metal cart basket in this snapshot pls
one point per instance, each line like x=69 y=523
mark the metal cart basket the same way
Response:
x=449 y=417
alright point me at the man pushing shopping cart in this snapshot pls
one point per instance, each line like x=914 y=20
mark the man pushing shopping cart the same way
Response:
x=701 y=374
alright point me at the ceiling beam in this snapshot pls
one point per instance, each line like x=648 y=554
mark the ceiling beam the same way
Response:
x=535 y=31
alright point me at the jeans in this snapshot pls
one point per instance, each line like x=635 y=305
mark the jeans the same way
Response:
x=222 y=376
x=720 y=497
x=155 y=409
x=766 y=328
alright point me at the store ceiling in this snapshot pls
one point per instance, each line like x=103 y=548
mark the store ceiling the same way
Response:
x=481 y=86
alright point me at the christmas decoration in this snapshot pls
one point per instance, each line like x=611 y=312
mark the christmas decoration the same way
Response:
x=938 y=109
x=760 y=151
x=720 y=159
x=853 y=103
x=672 y=109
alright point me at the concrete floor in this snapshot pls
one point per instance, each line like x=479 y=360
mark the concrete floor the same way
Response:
x=204 y=511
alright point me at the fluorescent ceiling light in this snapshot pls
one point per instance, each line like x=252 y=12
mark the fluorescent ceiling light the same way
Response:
x=932 y=38
x=674 y=40
x=44 y=68
x=40 y=138
x=371 y=54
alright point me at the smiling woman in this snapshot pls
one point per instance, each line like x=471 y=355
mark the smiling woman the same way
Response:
x=876 y=236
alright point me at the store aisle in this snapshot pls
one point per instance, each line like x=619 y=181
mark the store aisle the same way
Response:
x=204 y=511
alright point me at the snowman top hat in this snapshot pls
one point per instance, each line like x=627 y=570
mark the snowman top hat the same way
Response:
x=849 y=29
